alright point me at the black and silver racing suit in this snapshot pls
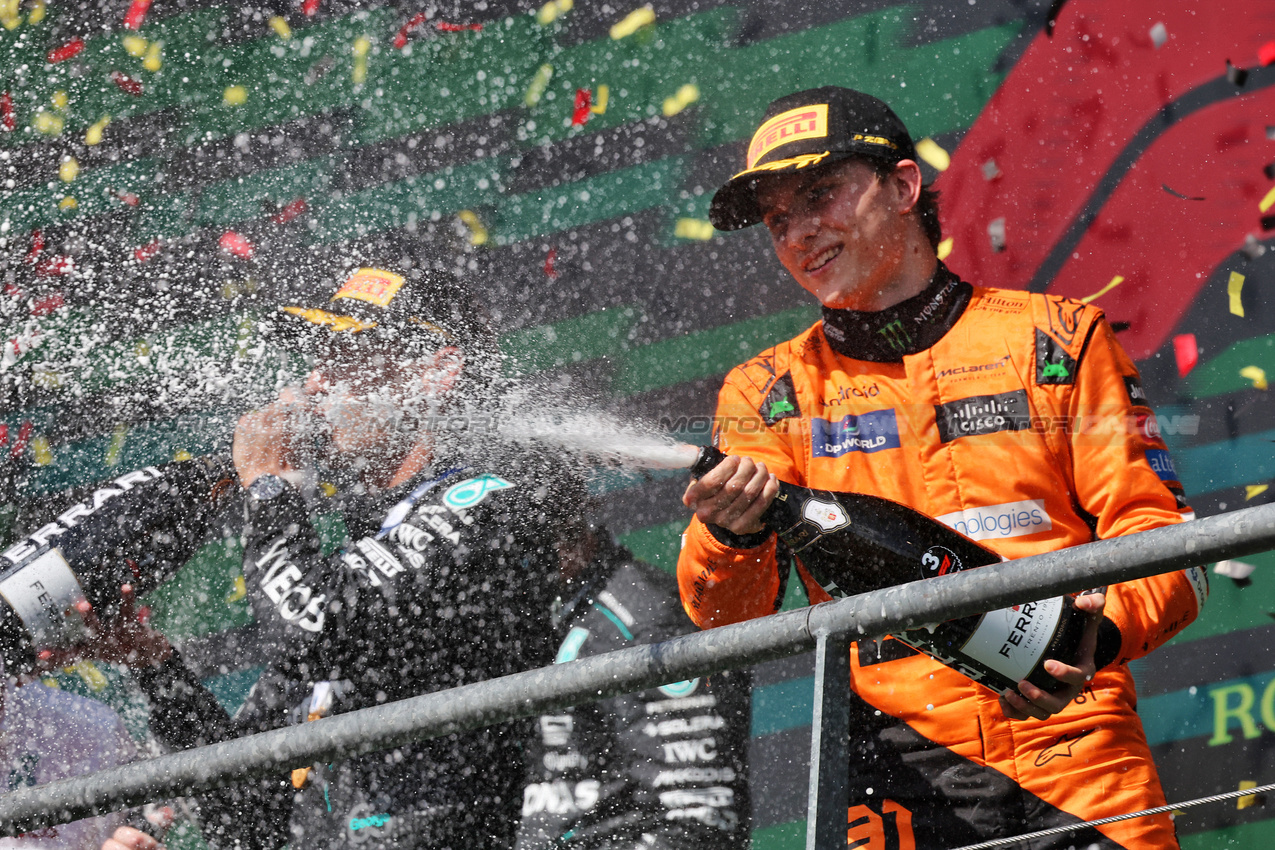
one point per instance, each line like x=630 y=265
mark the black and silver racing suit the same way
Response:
x=664 y=768
x=449 y=580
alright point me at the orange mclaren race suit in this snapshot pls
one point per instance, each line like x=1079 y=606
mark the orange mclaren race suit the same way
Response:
x=1018 y=420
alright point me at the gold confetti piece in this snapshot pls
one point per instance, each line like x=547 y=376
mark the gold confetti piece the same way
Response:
x=328 y=488
x=362 y=45
x=38 y=10
x=281 y=28
x=933 y=153
x=68 y=203
x=50 y=682
x=154 y=57
x=945 y=248
x=693 y=228
x=1251 y=799
x=477 y=233
x=1234 y=285
x=633 y=22
x=234 y=96
x=92 y=676
x=686 y=95
x=181 y=454
x=40 y=448
x=1253 y=490
x=240 y=591
x=539 y=83
x=93 y=135
x=135 y=45
x=604 y=95
x=60 y=99
x=1268 y=201
x=68 y=170
x=9 y=10
x=553 y=10
x=1256 y=374
x=116 y=446
x=1115 y=281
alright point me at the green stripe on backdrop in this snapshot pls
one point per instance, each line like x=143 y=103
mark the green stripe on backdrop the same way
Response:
x=1222 y=373
x=783 y=836
x=704 y=354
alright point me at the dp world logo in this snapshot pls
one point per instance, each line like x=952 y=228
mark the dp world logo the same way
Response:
x=829 y=516
x=466 y=494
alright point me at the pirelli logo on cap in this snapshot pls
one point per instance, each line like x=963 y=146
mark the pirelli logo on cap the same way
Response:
x=806 y=122
x=375 y=286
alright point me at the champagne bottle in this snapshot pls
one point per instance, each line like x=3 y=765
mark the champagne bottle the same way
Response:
x=852 y=543
x=139 y=528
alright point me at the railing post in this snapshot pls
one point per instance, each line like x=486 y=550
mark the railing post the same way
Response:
x=829 y=793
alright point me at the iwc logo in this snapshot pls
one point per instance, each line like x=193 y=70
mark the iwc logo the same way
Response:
x=939 y=561
x=829 y=516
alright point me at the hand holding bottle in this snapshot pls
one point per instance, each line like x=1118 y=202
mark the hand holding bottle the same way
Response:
x=127 y=638
x=733 y=495
x=1030 y=701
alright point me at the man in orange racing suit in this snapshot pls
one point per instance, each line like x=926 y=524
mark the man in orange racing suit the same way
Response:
x=1015 y=418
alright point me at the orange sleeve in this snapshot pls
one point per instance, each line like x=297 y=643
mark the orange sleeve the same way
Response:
x=1124 y=480
x=720 y=584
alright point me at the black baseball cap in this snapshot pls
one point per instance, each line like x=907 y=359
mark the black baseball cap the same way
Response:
x=386 y=291
x=810 y=128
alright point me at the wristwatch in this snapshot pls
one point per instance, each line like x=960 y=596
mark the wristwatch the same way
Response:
x=266 y=487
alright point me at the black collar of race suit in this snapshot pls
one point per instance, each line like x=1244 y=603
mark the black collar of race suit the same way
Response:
x=910 y=326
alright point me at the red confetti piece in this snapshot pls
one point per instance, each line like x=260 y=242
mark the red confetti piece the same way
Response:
x=1266 y=54
x=128 y=198
x=400 y=40
x=46 y=305
x=237 y=244
x=310 y=8
x=443 y=26
x=136 y=13
x=127 y=83
x=1187 y=353
x=55 y=266
x=580 y=115
x=8 y=120
x=291 y=211
x=37 y=245
x=13 y=291
x=4 y=433
x=145 y=252
x=549 y=260
x=24 y=437
x=66 y=51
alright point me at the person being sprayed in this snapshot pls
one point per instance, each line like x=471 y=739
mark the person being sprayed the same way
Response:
x=446 y=575
x=921 y=388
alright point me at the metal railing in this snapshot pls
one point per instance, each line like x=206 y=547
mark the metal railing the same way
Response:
x=827 y=628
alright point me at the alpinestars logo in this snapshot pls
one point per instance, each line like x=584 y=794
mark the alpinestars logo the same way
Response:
x=983 y=414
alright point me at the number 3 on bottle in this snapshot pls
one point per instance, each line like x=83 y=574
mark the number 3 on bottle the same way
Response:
x=889 y=830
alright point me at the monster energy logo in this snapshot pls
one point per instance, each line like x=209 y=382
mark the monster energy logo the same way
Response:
x=896 y=335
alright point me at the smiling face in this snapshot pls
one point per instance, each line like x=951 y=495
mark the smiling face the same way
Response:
x=848 y=235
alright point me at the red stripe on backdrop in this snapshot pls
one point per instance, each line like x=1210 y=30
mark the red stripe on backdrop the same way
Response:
x=1064 y=116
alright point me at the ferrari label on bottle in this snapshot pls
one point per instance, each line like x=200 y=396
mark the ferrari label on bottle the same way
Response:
x=1012 y=641
x=40 y=593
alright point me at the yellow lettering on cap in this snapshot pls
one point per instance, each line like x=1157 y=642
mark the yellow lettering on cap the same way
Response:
x=805 y=122
x=375 y=286
x=339 y=324
x=799 y=161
